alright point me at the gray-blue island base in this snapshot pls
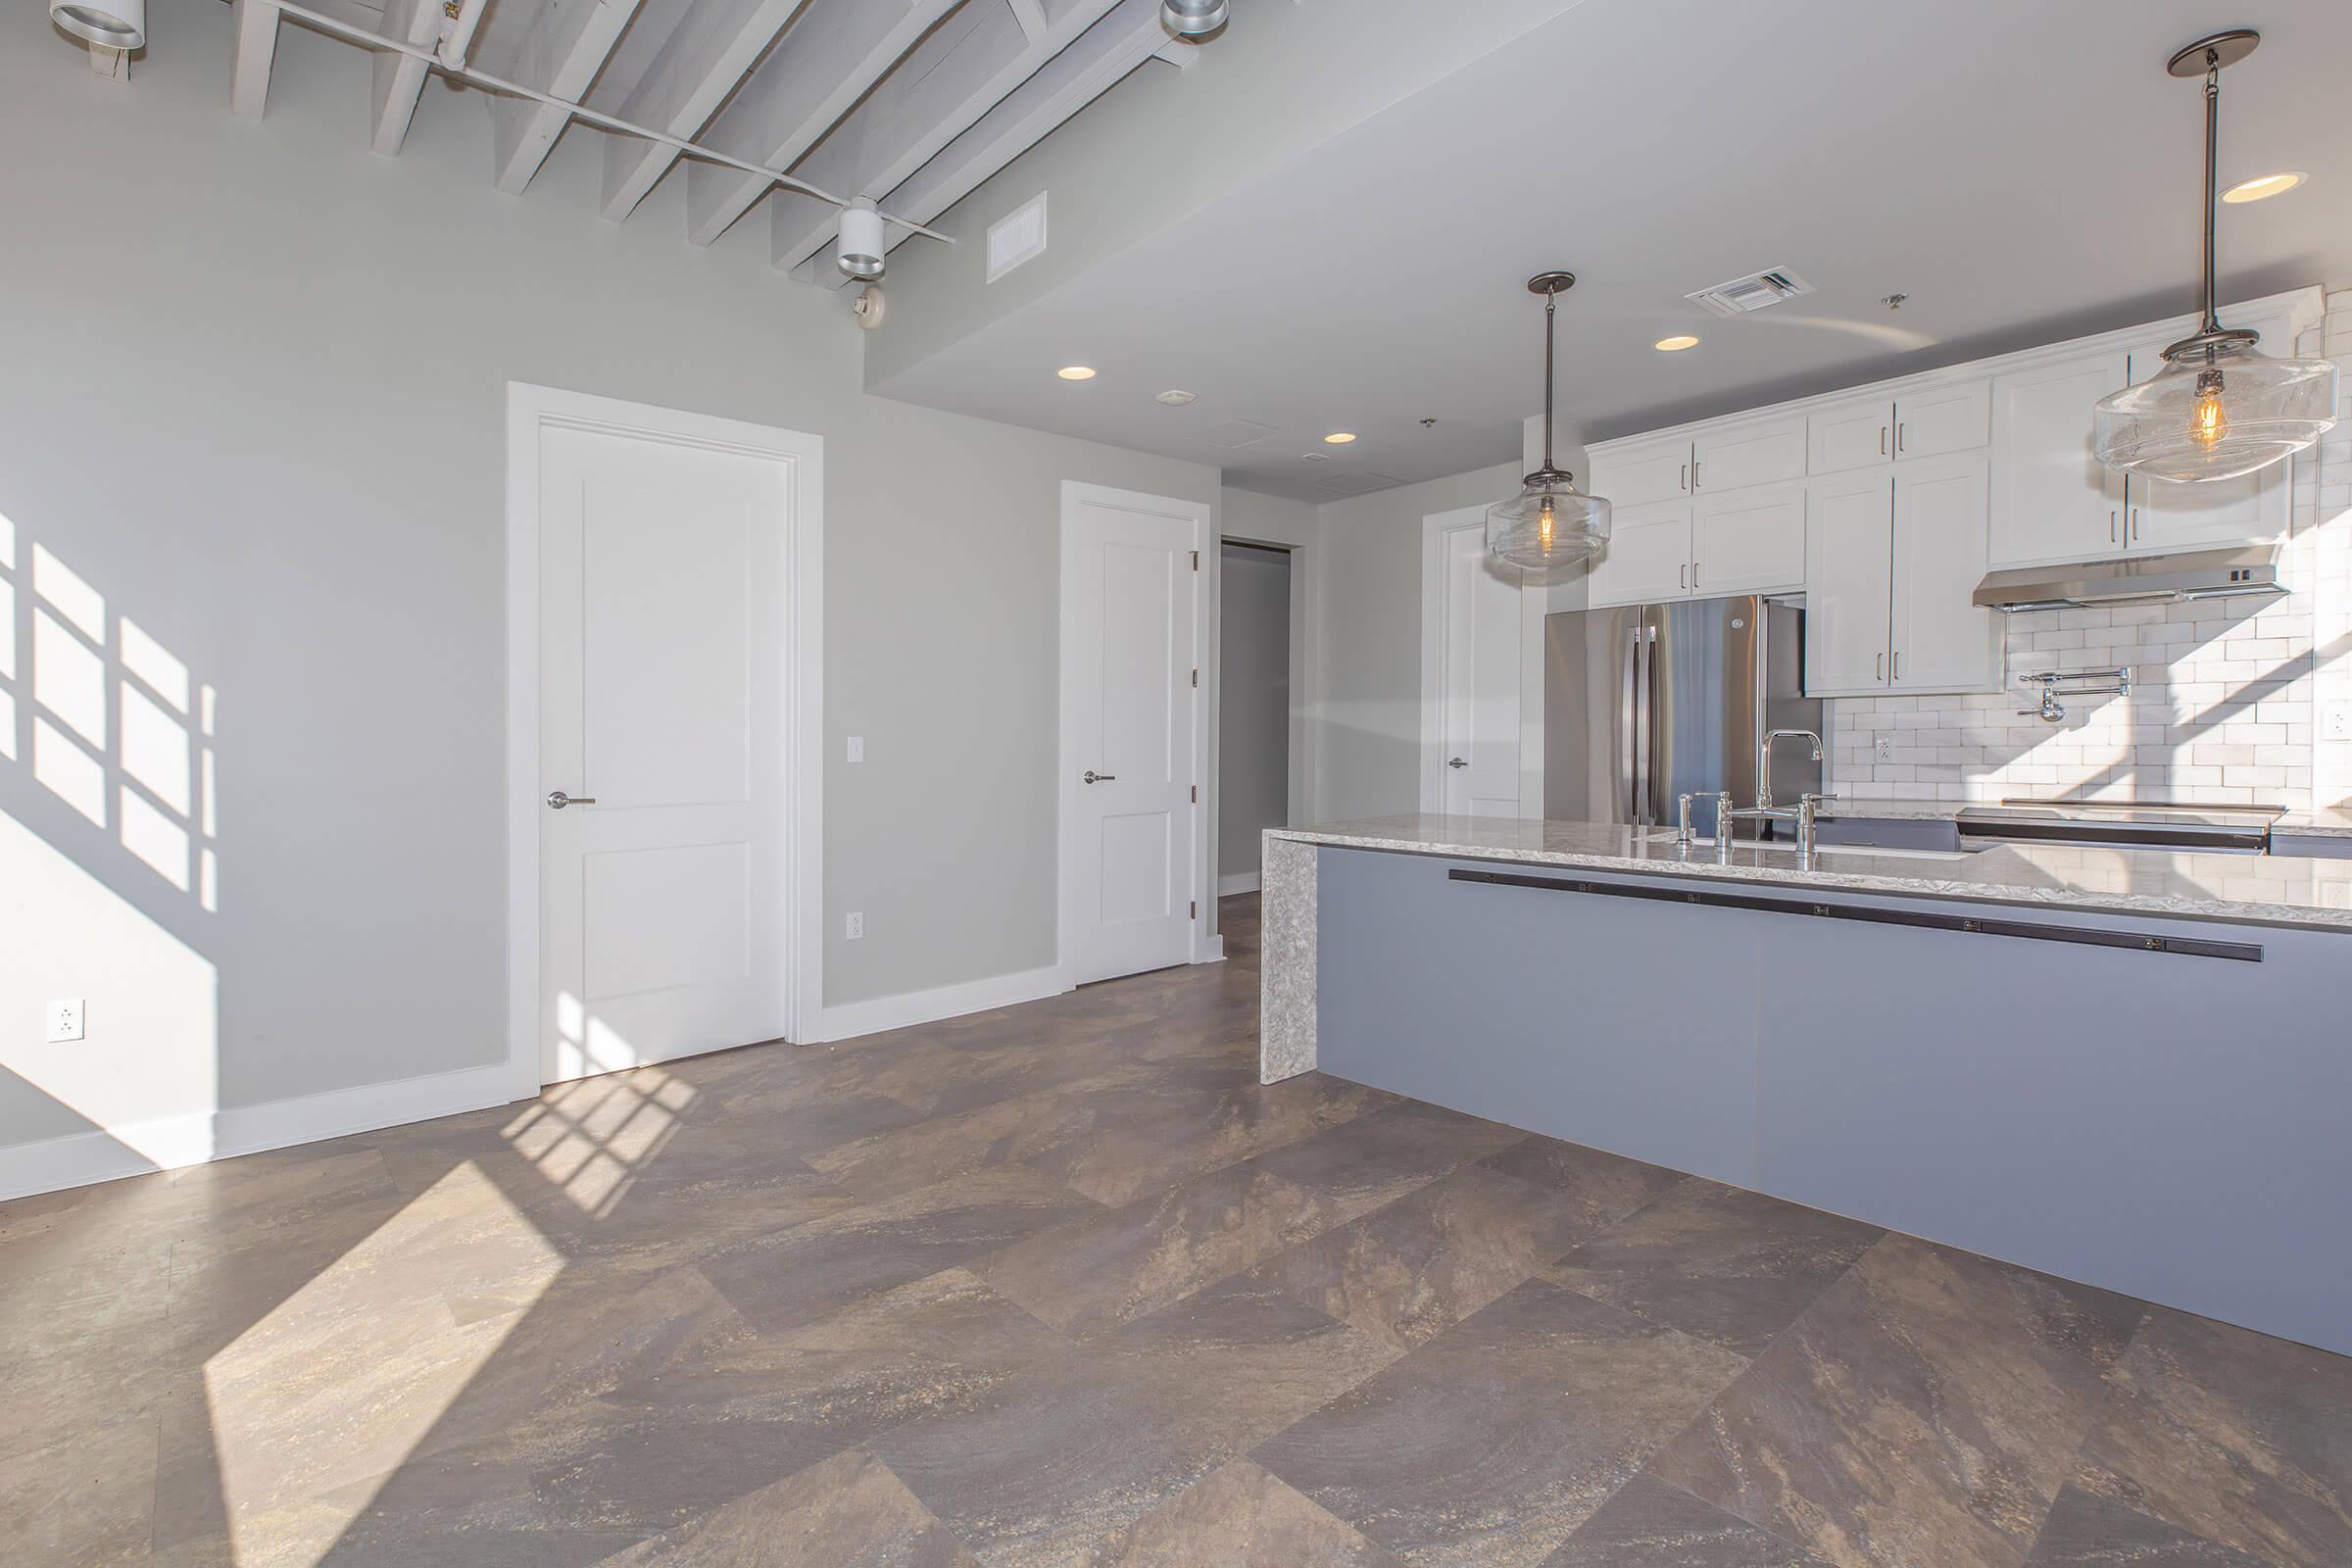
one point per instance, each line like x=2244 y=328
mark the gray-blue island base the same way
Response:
x=2172 y=1126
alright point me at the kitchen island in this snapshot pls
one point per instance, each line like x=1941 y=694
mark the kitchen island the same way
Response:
x=2126 y=1069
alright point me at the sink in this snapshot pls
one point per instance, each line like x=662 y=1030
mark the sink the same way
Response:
x=1666 y=836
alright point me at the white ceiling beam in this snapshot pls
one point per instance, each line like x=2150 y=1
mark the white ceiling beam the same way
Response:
x=255 y=46
x=954 y=79
x=567 y=46
x=715 y=43
x=398 y=77
x=1031 y=15
x=832 y=58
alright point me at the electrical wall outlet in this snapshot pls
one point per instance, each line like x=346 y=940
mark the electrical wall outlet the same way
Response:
x=855 y=926
x=65 y=1020
x=856 y=748
x=1883 y=751
x=2336 y=723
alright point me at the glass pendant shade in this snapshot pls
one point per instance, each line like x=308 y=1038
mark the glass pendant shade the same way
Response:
x=2215 y=411
x=1548 y=524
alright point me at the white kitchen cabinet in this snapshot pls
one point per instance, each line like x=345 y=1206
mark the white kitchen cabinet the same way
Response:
x=1748 y=541
x=1893 y=558
x=2052 y=499
x=1643 y=475
x=1851 y=435
x=1738 y=454
x=2251 y=509
x=1942 y=642
x=1849 y=573
x=1936 y=421
x=1649 y=556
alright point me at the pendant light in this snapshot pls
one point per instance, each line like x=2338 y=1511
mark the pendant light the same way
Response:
x=1550 y=524
x=2217 y=408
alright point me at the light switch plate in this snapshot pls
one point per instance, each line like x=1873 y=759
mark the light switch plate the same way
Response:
x=2336 y=723
x=856 y=748
x=1884 y=750
x=855 y=926
x=65 y=1020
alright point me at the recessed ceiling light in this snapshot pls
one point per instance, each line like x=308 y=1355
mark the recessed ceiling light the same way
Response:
x=1076 y=372
x=1339 y=438
x=1175 y=399
x=2263 y=187
x=1675 y=344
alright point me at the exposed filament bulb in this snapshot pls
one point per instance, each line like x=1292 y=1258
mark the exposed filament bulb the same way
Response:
x=2207 y=424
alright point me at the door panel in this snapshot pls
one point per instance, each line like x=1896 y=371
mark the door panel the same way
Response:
x=1856 y=435
x=661 y=666
x=1942 y=642
x=1942 y=419
x=1648 y=555
x=1127 y=674
x=1638 y=476
x=2053 y=500
x=1752 y=541
x=1481 y=680
x=1849 y=584
x=1743 y=455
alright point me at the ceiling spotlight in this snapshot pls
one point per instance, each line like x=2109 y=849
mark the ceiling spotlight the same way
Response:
x=1195 y=19
x=1675 y=344
x=1339 y=438
x=1076 y=372
x=2263 y=187
x=108 y=24
x=1175 y=399
x=863 y=241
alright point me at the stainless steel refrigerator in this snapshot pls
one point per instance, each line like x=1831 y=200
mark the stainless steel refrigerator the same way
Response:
x=1647 y=701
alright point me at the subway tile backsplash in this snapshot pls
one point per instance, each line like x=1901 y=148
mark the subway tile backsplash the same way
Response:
x=2229 y=698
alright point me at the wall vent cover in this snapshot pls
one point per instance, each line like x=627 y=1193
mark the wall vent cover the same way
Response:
x=1750 y=293
x=1016 y=237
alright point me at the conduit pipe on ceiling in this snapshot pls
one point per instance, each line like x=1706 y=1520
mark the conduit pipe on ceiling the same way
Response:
x=483 y=78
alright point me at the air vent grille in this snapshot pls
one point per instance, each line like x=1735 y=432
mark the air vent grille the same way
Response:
x=1750 y=293
x=1016 y=237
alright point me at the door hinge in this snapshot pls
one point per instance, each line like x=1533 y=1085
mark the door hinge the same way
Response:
x=1196 y=681
x=1195 y=914
x=1195 y=561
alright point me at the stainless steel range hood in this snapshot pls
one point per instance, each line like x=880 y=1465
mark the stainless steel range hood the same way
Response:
x=2249 y=571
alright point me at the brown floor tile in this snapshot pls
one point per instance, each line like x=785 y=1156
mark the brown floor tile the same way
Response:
x=2084 y=1531
x=85 y=1503
x=2231 y=1435
x=845 y=1512
x=1433 y=1258
x=1649 y=1524
x=1605 y=1187
x=1731 y=1266
x=1926 y=1410
x=1487 y=1446
x=1242 y=1516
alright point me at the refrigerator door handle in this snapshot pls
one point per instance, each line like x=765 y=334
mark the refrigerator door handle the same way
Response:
x=1628 y=728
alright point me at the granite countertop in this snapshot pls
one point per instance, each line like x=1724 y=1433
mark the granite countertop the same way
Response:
x=2261 y=890
x=2325 y=822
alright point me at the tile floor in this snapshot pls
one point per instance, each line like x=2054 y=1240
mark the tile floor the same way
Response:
x=1062 y=1285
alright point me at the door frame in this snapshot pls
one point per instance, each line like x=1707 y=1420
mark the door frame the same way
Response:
x=1534 y=601
x=1206 y=946
x=531 y=412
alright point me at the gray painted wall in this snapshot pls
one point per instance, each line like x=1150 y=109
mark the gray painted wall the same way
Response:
x=255 y=397
x=1254 y=692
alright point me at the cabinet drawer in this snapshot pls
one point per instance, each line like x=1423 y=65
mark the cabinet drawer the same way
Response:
x=1857 y=435
x=1743 y=455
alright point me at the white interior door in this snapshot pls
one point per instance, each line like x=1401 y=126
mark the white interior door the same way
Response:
x=1131 y=736
x=1474 y=720
x=662 y=607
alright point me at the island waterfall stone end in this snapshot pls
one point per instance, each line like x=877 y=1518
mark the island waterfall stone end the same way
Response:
x=1287 y=974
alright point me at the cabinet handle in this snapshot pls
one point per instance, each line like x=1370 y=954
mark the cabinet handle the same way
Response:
x=1681 y=578
x=1694 y=474
x=1683 y=479
x=1878 y=667
x=1882 y=440
x=1694 y=576
x=2131 y=535
x=1900 y=426
x=2111 y=536
x=1899 y=664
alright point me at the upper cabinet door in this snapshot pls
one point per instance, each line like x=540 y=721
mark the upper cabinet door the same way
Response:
x=1748 y=541
x=2052 y=499
x=1944 y=419
x=1648 y=555
x=1850 y=531
x=2251 y=509
x=1741 y=455
x=1942 y=642
x=1854 y=435
x=1641 y=475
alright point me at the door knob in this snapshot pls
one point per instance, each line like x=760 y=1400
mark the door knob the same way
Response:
x=1092 y=777
x=558 y=799
x=1455 y=762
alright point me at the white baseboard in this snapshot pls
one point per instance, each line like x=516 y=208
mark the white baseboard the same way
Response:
x=850 y=1020
x=1239 y=882
x=79 y=1158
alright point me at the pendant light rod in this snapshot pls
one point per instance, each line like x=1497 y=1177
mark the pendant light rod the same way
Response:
x=1550 y=285
x=2206 y=58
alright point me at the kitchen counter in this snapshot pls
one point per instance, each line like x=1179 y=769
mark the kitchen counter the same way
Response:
x=2124 y=1067
x=2319 y=823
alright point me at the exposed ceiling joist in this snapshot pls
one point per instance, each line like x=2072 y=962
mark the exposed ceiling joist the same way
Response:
x=568 y=45
x=1086 y=70
x=399 y=78
x=255 y=47
x=832 y=57
x=956 y=76
x=713 y=48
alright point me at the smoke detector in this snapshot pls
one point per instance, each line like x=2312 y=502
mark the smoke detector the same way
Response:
x=1750 y=293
